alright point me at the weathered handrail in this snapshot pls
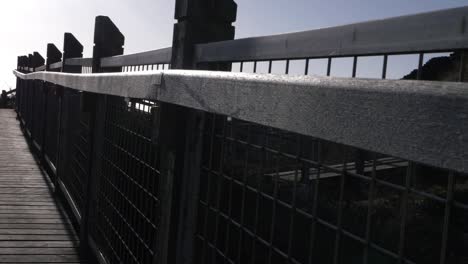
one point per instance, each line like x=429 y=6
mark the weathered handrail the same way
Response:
x=40 y=68
x=86 y=62
x=160 y=56
x=427 y=32
x=405 y=119
x=56 y=65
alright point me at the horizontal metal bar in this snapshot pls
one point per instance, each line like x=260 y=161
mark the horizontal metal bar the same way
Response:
x=57 y=65
x=71 y=202
x=36 y=145
x=419 y=121
x=428 y=32
x=161 y=56
x=97 y=252
x=87 y=62
x=40 y=68
x=51 y=165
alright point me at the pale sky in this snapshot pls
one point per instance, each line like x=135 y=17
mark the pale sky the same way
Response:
x=28 y=25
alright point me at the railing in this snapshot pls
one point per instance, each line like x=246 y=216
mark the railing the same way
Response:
x=181 y=166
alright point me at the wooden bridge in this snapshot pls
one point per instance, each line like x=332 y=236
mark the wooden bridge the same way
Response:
x=197 y=153
x=33 y=226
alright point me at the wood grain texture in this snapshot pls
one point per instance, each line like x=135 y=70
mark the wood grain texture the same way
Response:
x=33 y=228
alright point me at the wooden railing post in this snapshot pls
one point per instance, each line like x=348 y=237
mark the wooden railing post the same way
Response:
x=28 y=106
x=18 y=89
x=72 y=48
x=37 y=96
x=29 y=62
x=23 y=60
x=53 y=55
x=21 y=84
x=199 y=21
x=108 y=41
x=24 y=63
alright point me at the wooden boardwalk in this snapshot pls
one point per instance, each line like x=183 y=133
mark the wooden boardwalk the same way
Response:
x=33 y=228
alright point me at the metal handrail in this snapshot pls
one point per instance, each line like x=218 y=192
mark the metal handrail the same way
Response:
x=405 y=119
x=160 y=56
x=443 y=30
x=86 y=62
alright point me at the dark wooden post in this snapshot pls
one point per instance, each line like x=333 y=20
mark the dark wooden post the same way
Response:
x=30 y=62
x=28 y=112
x=24 y=64
x=18 y=89
x=72 y=48
x=23 y=61
x=36 y=61
x=108 y=41
x=53 y=55
x=199 y=21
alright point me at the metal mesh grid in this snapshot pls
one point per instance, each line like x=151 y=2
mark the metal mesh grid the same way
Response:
x=37 y=114
x=86 y=69
x=77 y=156
x=446 y=66
x=128 y=205
x=150 y=67
x=51 y=128
x=23 y=99
x=27 y=104
x=18 y=96
x=270 y=196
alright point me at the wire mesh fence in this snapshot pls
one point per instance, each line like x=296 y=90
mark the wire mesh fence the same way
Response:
x=265 y=195
x=128 y=195
x=259 y=194
x=271 y=196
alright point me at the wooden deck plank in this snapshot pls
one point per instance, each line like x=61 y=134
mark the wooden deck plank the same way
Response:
x=31 y=221
x=33 y=229
x=24 y=210
x=24 y=203
x=57 y=231
x=35 y=226
x=38 y=251
x=39 y=258
x=31 y=216
x=28 y=206
x=38 y=244
x=42 y=237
